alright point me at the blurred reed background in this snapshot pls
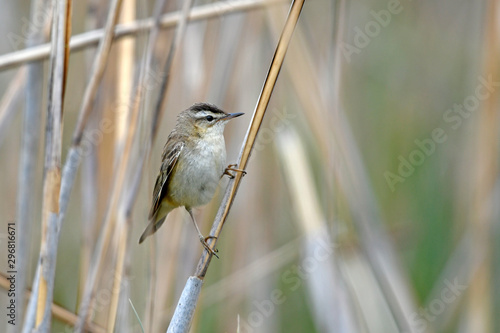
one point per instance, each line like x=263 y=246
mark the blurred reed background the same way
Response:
x=372 y=197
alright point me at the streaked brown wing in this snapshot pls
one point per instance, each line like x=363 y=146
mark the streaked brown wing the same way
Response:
x=170 y=156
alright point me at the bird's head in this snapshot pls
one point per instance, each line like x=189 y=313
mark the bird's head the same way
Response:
x=203 y=119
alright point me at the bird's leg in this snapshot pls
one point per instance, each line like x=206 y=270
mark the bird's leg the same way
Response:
x=232 y=167
x=203 y=240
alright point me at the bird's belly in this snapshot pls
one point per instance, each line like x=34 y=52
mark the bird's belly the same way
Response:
x=197 y=177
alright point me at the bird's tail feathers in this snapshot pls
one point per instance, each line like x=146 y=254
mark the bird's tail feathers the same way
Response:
x=151 y=228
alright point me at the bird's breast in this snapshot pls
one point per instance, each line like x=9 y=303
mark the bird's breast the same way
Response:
x=198 y=172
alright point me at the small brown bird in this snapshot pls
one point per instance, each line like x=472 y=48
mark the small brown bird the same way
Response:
x=193 y=162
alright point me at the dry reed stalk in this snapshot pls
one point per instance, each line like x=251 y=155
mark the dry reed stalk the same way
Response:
x=124 y=73
x=479 y=315
x=91 y=38
x=33 y=75
x=152 y=41
x=355 y=184
x=74 y=155
x=332 y=305
x=126 y=206
x=125 y=64
x=61 y=30
x=92 y=190
x=123 y=151
x=252 y=132
x=181 y=320
x=113 y=214
x=97 y=71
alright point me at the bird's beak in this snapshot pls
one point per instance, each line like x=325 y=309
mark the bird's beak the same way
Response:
x=233 y=115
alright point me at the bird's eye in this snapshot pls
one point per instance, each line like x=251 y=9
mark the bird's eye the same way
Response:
x=209 y=118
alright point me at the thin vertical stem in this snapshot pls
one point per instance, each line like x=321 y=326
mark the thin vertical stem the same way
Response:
x=74 y=156
x=61 y=30
x=29 y=154
x=252 y=132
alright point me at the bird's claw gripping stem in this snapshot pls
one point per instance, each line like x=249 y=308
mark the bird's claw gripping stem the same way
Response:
x=232 y=167
x=203 y=241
